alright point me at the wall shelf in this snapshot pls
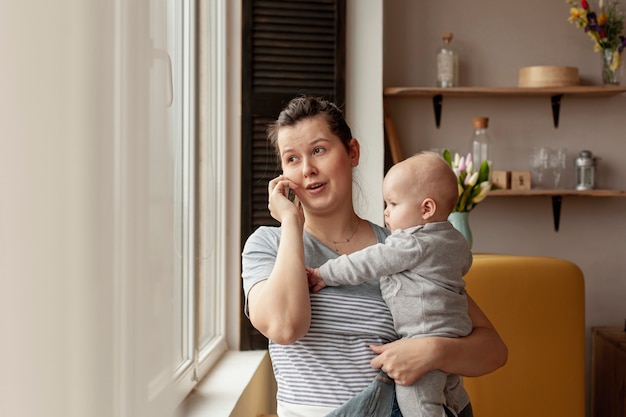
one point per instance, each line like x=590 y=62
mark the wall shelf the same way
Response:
x=554 y=93
x=564 y=192
x=557 y=197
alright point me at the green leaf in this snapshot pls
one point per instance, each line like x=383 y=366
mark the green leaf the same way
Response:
x=463 y=200
x=447 y=157
x=483 y=173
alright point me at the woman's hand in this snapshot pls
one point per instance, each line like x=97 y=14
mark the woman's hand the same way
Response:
x=279 y=204
x=406 y=360
x=479 y=353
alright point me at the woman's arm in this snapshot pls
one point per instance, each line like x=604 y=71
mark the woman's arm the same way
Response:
x=479 y=353
x=279 y=307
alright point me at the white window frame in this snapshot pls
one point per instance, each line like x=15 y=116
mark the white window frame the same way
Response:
x=201 y=106
x=210 y=107
x=204 y=108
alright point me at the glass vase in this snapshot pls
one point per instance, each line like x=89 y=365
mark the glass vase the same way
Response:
x=460 y=221
x=611 y=66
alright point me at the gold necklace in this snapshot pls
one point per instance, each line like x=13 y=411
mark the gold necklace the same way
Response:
x=340 y=242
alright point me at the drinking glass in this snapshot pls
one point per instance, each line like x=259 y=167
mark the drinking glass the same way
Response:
x=539 y=157
x=557 y=161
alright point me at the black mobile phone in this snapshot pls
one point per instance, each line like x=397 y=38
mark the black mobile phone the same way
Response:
x=291 y=195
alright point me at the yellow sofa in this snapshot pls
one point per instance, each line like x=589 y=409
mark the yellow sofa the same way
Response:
x=538 y=306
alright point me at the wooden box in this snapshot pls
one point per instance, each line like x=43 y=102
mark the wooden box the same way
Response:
x=548 y=76
x=501 y=180
x=520 y=180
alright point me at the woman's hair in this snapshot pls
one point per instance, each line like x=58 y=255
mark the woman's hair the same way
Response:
x=305 y=107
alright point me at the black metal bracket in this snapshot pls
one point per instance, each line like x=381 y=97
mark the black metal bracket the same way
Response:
x=437 y=105
x=555 y=101
x=556 y=108
x=556 y=210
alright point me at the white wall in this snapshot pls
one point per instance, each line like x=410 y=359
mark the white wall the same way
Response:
x=233 y=264
x=51 y=142
x=364 y=35
x=494 y=40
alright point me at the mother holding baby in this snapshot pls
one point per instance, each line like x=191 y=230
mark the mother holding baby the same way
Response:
x=327 y=347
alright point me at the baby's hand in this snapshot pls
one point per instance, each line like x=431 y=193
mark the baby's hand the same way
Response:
x=316 y=282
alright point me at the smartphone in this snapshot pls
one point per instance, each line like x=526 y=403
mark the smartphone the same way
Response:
x=291 y=195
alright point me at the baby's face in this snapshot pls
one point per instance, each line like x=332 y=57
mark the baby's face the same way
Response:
x=403 y=205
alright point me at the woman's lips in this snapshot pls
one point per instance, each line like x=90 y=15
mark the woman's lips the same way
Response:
x=315 y=188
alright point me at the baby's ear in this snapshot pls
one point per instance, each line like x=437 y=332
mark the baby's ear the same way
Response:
x=429 y=207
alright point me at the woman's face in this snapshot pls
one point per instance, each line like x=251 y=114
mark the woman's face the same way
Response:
x=317 y=161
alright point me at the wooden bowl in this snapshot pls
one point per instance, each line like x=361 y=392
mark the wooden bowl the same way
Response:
x=548 y=76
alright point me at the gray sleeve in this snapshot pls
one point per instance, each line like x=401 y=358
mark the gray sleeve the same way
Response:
x=399 y=253
x=258 y=258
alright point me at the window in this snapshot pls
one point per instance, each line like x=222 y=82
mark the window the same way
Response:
x=196 y=130
x=113 y=215
x=172 y=222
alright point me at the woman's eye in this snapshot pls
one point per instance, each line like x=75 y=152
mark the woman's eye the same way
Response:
x=291 y=159
x=318 y=150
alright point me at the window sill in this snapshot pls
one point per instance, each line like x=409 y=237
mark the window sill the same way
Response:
x=240 y=385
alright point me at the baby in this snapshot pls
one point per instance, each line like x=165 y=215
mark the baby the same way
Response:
x=421 y=265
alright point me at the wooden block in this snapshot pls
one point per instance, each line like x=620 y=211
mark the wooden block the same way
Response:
x=520 y=180
x=501 y=180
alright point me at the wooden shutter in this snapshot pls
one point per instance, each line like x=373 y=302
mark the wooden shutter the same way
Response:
x=290 y=47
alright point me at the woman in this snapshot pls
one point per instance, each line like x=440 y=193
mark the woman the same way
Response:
x=328 y=346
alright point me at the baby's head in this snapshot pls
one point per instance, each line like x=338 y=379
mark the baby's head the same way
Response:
x=419 y=190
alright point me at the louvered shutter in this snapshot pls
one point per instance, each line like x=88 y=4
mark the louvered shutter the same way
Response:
x=290 y=47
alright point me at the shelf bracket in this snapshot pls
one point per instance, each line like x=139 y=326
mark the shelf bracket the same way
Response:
x=437 y=105
x=556 y=108
x=556 y=211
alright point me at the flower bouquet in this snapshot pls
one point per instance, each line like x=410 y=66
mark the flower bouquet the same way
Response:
x=474 y=185
x=605 y=28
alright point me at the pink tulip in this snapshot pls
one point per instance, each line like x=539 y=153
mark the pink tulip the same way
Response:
x=462 y=164
x=471 y=180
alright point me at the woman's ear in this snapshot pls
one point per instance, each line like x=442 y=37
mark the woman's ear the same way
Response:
x=429 y=208
x=354 y=152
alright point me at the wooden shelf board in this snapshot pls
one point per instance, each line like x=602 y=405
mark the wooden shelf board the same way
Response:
x=588 y=90
x=576 y=193
x=557 y=197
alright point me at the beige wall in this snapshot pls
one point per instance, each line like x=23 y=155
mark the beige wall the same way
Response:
x=494 y=40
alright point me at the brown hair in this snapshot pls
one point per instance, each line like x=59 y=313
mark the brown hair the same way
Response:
x=305 y=107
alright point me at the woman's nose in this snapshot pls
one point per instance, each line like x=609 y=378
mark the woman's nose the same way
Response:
x=308 y=167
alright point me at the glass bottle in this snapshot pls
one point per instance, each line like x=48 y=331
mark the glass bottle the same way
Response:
x=481 y=145
x=447 y=64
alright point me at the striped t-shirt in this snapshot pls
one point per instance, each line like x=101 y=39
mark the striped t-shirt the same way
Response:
x=331 y=363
